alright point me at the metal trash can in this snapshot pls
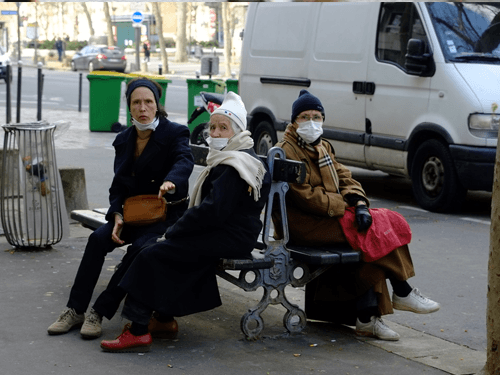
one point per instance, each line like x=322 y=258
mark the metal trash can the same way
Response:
x=104 y=103
x=32 y=204
x=195 y=86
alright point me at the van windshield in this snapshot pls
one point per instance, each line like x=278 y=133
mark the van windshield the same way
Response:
x=467 y=32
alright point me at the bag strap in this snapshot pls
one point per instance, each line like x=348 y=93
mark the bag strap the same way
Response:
x=178 y=202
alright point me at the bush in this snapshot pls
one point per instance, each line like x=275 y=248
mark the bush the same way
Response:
x=75 y=45
x=209 y=44
x=47 y=44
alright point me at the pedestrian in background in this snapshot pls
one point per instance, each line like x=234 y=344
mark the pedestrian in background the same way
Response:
x=147 y=50
x=59 y=47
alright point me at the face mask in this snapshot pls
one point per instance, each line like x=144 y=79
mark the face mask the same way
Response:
x=217 y=143
x=142 y=127
x=310 y=130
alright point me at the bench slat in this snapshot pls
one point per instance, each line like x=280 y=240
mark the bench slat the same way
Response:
x=88 y=218
x=324 y=255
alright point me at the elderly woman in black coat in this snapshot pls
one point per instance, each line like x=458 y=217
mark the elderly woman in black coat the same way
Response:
x=176 y=275
x=151 y=157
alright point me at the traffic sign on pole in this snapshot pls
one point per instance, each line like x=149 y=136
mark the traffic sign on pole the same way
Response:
x=137 y=17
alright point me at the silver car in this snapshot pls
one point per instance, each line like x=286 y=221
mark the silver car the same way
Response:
x=99 y=57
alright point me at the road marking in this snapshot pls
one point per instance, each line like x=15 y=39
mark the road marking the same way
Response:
x=414 y=209
x=487 y=222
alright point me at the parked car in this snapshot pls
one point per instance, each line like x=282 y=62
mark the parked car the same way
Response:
x=4 y=60
x=99 y=57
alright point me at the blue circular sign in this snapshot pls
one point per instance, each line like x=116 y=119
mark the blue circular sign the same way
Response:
x=137 y=17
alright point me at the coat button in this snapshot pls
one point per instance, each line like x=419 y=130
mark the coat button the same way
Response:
x=331 y=213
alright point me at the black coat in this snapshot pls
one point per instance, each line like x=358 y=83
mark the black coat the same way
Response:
x=177 y=275
x=166 y=157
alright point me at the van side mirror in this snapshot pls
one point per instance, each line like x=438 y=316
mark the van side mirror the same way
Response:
x=417 y=62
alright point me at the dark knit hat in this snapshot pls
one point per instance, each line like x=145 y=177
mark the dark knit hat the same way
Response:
x=306 y=102
x=143 y=82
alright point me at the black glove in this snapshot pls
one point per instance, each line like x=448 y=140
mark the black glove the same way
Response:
x=363 y=218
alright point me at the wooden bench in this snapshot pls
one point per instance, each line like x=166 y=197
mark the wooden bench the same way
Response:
x=274 y=264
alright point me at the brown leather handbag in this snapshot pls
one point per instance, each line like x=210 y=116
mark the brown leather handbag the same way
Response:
x=144 y=210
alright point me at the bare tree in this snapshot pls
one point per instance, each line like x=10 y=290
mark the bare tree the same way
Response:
x=89 y=18
x=492 y=311
x=181 y=42
x=227 y=38
x=161 y=39
x=111 y=40
x=75 y=25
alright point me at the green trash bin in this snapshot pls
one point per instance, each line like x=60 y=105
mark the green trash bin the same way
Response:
x=195 y=86
x=104 y=100
x=232 y=85
x=157 y=78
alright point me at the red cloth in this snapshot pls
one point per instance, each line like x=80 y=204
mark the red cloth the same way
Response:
x=388 y=231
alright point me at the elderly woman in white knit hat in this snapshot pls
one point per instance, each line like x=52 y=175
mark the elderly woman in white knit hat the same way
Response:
x=175 y=276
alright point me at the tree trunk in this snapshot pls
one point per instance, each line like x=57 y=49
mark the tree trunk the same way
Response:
x=111 y=40
x=159 y=29
x=227 y=39
x=492 y=311
x=181 y=43
x=89 y=18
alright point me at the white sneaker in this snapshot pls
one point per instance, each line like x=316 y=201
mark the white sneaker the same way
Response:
x=376 y=328
x=415 y=302
x=91 y=328
x=66 y=321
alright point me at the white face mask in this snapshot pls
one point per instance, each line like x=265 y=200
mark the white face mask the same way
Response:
x=142 y=127
x=310 y=130
x=217 y=143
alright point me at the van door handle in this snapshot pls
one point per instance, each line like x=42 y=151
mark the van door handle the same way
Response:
x=370 y=88
x=363 y=88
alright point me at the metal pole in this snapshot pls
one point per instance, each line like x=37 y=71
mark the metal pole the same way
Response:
x=19 y=79
x=160 y=66
x=39 y=98
x=80 y=95
x=137 y=47
x=9 y=75
x=18 y=31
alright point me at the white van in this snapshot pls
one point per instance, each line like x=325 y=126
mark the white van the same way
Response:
x=409 y=88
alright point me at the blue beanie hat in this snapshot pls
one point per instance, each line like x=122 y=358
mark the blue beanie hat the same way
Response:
x=306 y=102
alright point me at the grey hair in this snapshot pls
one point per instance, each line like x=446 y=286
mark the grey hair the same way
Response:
x=235 y=127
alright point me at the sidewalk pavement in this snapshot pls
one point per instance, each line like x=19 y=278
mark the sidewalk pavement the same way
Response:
x=35 y=286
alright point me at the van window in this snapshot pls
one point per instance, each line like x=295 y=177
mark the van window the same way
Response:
x=398 y=23
x=468 y=33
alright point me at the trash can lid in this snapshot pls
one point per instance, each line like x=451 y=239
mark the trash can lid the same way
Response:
x=37 y=125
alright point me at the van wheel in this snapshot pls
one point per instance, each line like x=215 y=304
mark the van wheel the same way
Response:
x=264 y=138
x=435 y=182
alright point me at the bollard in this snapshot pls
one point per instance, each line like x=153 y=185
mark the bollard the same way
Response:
x=80 y=95
x=39 y=93
x=9 y=73
x=19 y=79
x=160 y=66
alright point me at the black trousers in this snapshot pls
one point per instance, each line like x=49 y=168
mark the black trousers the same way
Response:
x=98 y=246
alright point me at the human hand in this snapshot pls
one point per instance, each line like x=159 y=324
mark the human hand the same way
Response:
x=363 y=218
x=117 y=230
x=166 y=186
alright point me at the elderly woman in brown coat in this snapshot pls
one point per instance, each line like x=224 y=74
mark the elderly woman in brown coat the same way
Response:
x=318 y=211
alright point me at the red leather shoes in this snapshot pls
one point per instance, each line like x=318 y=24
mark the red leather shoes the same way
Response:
x=128 y=343
x=161 y=330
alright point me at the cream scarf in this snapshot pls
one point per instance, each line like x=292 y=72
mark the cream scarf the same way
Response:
x=249 y=168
